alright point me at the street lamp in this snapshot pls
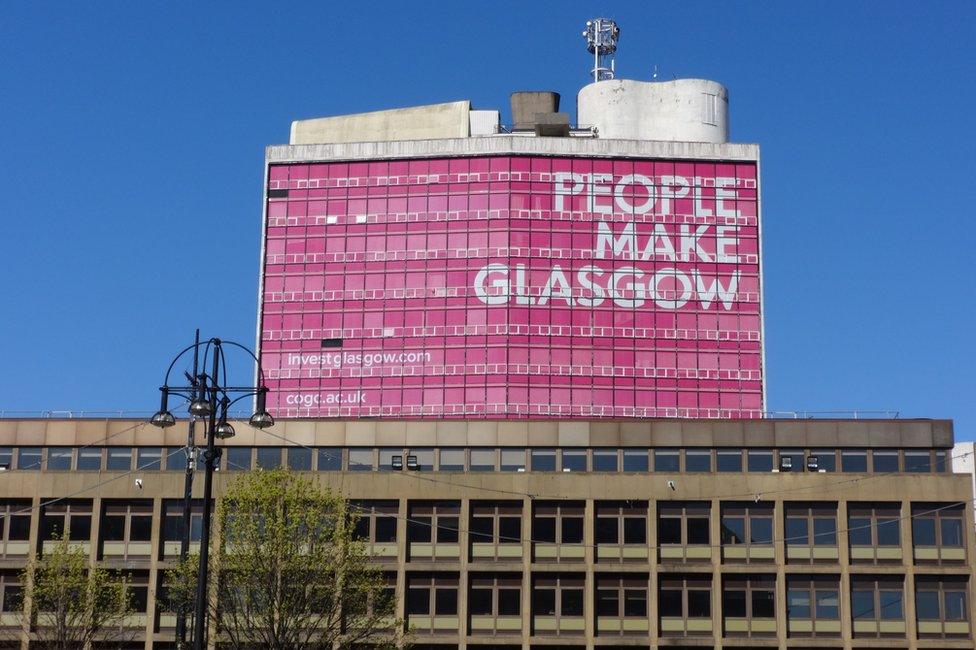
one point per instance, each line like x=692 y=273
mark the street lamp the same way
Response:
x=209 y=398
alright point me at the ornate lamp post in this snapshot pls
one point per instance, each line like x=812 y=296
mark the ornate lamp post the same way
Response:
x=209 y=398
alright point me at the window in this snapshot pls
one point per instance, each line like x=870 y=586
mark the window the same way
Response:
x=935 y=525
x=268 y=457
x=482 y=460
x=666 y=460
x=884 y=461
x=728 y=460
x=941 y=600
x=299 y=459
x=748 y=597
x=877 y=598
x=328 y=459
x=560 y=596
x=684 y=523
x=432 y=595
x=621 y=597
x=543 y=460
x=635 y=460
x=854 y=461
x=238 y=458
x=499 y=595
x=361 y=460
x=876 y=525
x=433 y=521
x=513 y=460
x=943 y=463
x=811 y=524
x=558 y=522
x=574 y=460
x=698 y=460
x=451 y=460
x=424 y=457
x=498 y=523
x=604 y=460
x=29 y=458
x=149 y=458
x=173 y=520
x=918 y=461
x=376 y=521
x=119 y=459
x=6 y=458
x=685 y=597
x=750 y=524
x=71 y=517
x=59 y=458
x=826 y=459
x=126 y=522
x=386 y=459
x=15 y=521
x=792 y=460
x=812 y=598
x=760 y=460
x=11 y=592
x=621 y=523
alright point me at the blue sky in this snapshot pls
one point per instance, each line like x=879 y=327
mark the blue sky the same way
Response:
x=131 y=157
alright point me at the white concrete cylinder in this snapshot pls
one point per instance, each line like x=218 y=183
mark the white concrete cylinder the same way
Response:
x=686 y=110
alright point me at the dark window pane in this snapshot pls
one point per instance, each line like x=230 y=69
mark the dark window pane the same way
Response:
x=149 y=458
x=509 y=602
x=796 y=531
x=451 y=460
x=574 y=461
x=113 y=528
x=138 y=598
x=13 y=598
x=386 y=528
x=761 y=530
x=859 y=531
x=927 y=606
x=918 y=462
x=955 y=605
x=58 y=458
x=19 y=528
x=888 y=532
x=361 y=460
x=509 y=530
x=140 y=528
x=79 y=530
x=670 y=603
x=445 y=601
x=447 y=530
x=698 y=461
x=513 y=460
x=825 y=531
x=666 y=460
x=669 y=530
x=269 y=457
x=635 y=460
x=606 y=530
x=176 y=459
x=482 y=529
x=733 y=530
x=734 y=604
x=572 y=602
x=763 y=604
x=607 y=603
x=479 y=603
x=544 y=529
x=798 y=603
x=299 y=459
x=854 y=461
x=729 y=461
x=826 y=459
x=760 y=461
x=52 y=526
x=172 y=528
x=828 y=604
x=923 y=532
x=29 y=458
x=418 y=600
x=238 y=458
x=951 y=531
x=89 y=459
x=360 y=530
x=884 y=461
x=119 y=458
x=572 y=530
x=544 y=602
x=635 y=602
x=891 y=605
x=604 y=460
x=419 y=529
x=635 y=530
x=482 y=460
x=329 y=459
x=698 y=530
x=699 y=603
x=862 y=604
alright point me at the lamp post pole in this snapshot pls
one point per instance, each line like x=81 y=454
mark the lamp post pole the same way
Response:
x=188 y=498
x=209 y=399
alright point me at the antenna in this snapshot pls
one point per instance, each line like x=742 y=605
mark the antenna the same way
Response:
x=601 y=36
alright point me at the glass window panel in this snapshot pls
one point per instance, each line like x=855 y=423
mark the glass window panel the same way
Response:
x=606 y=530
x=360 y=460
x=796 y=460
x=509 y=602
x=607 y=603
x=29 y=458
x=666 y=460
x=18 y=527
x=6 y=457
x=572 y=602
x=763 y=604
x=854 y=461
x=826 y=459
x=698 y=461
x=79 y=530
x=140 y=528
x=238 y=458
x=862 y=604
x=796 y=531
x=942 y=462
x=951 y=531
x=329 y=459
x=859 y=531
x=544 y=529
x=513 y=460
x=176 y=459
x=955 y=605
x=916 y=461
x=574 y=460
x=544 y=602
x=59 y=458
x=604 y=460
x=761 y=530
x=760 y=461
x=386 y=459
x=733 y=530
x=635 y=460
x=268 y=457
x=572 y=530
x=635 y=530
x=635 y=602
x=418 y=600
x=923 y=531
x=888 y=532
x=113 y=528
x=447 y=530
x=482 y=460
x=825 y=531
x=482 y=529
x=479 y=602
x=543 y=460
x=299 y=459
x=891 y=605
x=149 y=458
x=425 y=459
x=419 y=529
x=386 y=528
x=699 y=603
x=698 y=530
x=798 y=603
x=119 y=458
x=445 y=602
x=828 y=606
x=669 y=530
x=927 y=606
x=734 y=603
x=728 y=461
x=884 y=461
x=451 y=460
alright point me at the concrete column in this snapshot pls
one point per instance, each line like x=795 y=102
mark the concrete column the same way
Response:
x=464 y=542
x=154 y=568
x=589 y=580
x=779 y=535
x=401 y=579
x=526 y=595
x=844 y=560
x=715 y=539
x=652 y=559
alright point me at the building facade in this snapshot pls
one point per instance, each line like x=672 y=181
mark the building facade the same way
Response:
x=640 y=533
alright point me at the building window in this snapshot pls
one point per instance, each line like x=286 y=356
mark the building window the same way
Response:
x=759 y=460
x=728 y=460
x=433 y=522
x=750 y=598
x=496 y=523
x=513 y=460
x=423 y=457
x=137 y=586
x=543 y=460
x=6 y=458
x=873 y=525
x=854 y=460
x=70 y=517
x=124 y=523
x=813 y=605
x=667 y=460
x=268 y=457
x=621 y=523
x=698 y=460
x=557 y=596
x=811 y=524
x=376 y=521
x=557 y=522
x=15 y=522
x=875 y=599
x=386 y=459
x=59 y=458
x=621 y=597
x=574 y=460
x=149 y=458
x=378 y=606
x=884 y=462
x=432 y=595
x=483 y=460
x=495 y=595
x=29 y=458
x=635 y=460
x=605 y=460
x=299 y=459
x=119 y=459
x=937 y=528
x=328 y=459
x=747 y=526
x=826 y=459
x=11 y=592
x=238 y=459
x=361 y=460
x=173 y=528
x=941 y=606
x=684 y=523
x=792 y=460
x=450 y=460
x=918 y=461
x=684 y=598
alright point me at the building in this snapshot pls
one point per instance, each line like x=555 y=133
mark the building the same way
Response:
x=702 y=533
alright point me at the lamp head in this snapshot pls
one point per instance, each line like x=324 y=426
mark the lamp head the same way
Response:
x=223 y=430
x=199 y=408
x=261 y=420
x=162 y=419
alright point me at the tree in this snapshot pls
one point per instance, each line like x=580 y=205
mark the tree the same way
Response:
x=73 y=603
x=288 y=571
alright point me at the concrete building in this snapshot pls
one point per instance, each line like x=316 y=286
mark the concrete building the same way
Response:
x=571 y=533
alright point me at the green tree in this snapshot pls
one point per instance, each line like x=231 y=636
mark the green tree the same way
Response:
x=73 y=603
x=288 y=571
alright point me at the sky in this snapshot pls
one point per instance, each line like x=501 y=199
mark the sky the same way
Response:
x=132 y=143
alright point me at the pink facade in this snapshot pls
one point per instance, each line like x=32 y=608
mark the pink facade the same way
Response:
x=512 y=287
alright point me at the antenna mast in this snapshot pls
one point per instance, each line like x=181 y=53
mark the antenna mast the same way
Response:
x=601 y=36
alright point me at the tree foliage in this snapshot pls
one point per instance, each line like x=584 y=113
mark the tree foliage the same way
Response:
x=287 y=570
x=73 y=603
